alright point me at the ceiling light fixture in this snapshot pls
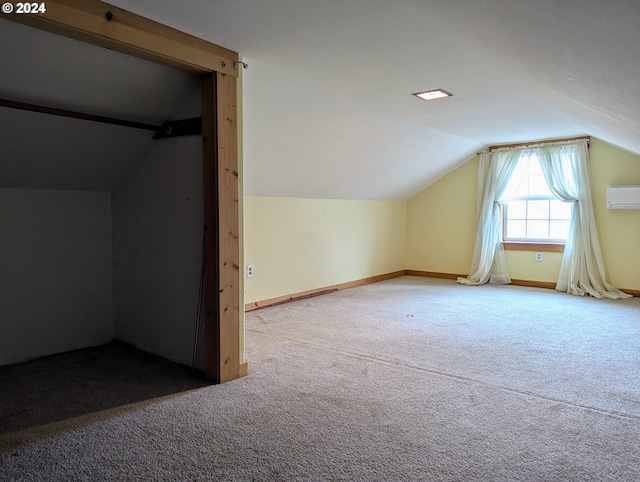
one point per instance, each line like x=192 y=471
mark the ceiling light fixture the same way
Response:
x=433 y=94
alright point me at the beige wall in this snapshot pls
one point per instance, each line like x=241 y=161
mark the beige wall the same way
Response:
x=441 y=224
x=619 y=230
x=302 y=244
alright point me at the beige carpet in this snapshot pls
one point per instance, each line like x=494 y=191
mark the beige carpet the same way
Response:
x=409 y=379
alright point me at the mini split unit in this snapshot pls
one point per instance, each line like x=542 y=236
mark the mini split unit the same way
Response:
x=623 y=197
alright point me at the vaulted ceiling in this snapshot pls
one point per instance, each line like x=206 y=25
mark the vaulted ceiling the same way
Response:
x=328 y=110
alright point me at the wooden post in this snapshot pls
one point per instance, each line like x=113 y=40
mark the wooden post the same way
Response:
x=101 y=24
x=228 y=219
x=221 y=217
x=211 y=286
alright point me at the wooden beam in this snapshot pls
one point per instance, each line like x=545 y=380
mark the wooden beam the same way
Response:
x=101 y=24
x=211 y=283
x=222 y=241
x=229 y=247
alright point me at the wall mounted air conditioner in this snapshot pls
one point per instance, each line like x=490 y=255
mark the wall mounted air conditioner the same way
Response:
x=623 y=197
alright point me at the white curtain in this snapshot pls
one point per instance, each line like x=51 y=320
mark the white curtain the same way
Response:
x=566 y=170
x=489 y=263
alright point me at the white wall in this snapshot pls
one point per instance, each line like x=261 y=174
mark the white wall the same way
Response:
x=157 y=245
x=55 y=272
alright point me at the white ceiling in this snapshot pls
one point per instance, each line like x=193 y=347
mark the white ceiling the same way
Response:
x=328 y=110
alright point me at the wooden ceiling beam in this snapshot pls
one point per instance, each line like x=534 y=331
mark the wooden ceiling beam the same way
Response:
x=107 y=26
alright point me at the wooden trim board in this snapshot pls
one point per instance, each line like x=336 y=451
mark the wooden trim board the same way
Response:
x=211 y=286
x=635 y=293
x=244 y=368
x=280 y=300
x=229 y=228
x=101 y=24
x=544 y=247
x=321 y=291
x=551 y=285
x=515 y=282
x=433 y=274
x=104 y=25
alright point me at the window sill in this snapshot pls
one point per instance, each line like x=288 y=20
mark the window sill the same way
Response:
x=524 y=246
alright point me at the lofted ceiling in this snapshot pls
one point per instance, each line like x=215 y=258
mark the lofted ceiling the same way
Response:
x=327 y=104
x=327 y=96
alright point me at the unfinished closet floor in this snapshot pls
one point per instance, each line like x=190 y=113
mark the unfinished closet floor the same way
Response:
x=66 y=385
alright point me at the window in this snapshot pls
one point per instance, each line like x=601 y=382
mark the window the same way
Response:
x=533 y=213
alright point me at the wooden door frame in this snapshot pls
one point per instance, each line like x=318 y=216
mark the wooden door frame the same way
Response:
x=99 y=23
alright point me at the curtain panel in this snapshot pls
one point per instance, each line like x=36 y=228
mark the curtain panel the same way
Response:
x=566 y=171
x=489 y=264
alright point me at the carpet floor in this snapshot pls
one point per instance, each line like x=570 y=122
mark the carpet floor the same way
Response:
x=408 y=379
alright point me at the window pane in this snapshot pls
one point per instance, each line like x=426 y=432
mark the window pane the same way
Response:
x=560 y=210
x=536 y=215
x=559 y=230
x=538 y=229
x=517 y=210
x=538 y=186
x=516 y=230
x=538 y=210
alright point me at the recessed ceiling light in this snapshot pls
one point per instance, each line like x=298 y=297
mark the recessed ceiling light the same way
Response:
x=433 y=94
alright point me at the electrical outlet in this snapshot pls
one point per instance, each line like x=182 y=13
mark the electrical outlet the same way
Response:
x=249 y=271
x=538 y=256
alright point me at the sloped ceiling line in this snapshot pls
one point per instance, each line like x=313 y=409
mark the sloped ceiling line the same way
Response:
x=518 y=70
x=327 y=105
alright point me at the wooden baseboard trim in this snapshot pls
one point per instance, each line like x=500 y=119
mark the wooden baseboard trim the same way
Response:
x=321 y=291
x=434 y=274
x=635 y=293
x=534 y=284
x=280 y=300
x=516 y=282
x=244 y=368
x=552 y=285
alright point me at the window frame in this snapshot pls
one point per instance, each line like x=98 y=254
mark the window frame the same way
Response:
x=504 y=210
x=529 y=244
